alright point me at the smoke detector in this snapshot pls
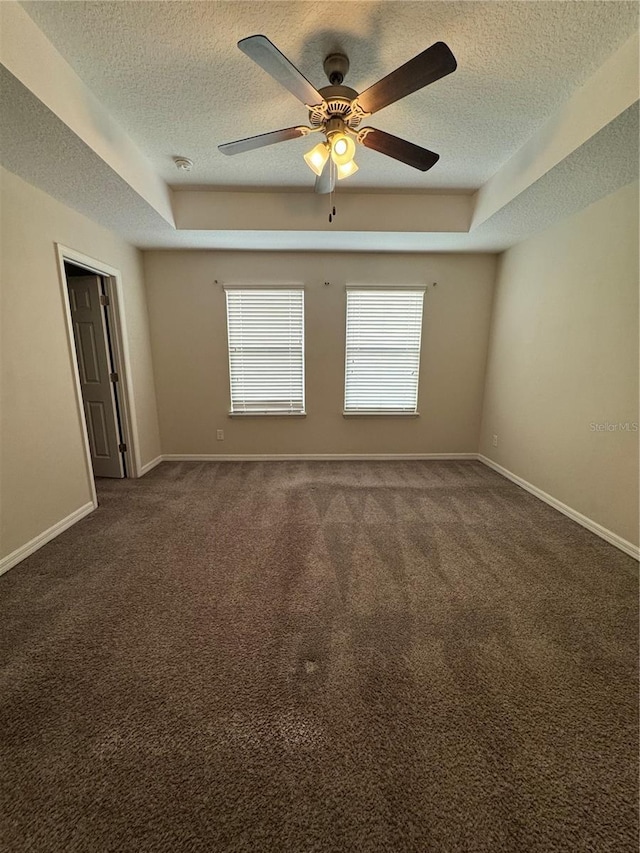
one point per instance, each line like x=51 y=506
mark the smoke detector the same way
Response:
x=183 y=163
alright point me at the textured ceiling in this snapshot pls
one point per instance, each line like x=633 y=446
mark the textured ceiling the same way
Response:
x=172 y=76
x=570 y=187
x=38 y=147
x=42 y=150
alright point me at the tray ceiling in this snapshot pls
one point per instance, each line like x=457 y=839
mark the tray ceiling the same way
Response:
x=171 y=75
x=539 y=121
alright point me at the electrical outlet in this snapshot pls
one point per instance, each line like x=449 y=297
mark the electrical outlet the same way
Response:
x=220 y=434
x=495 y=441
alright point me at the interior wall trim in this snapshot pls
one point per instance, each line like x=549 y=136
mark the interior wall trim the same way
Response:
x=312 y=457
x=144 y=469
x=603 y=532
x=609 y=536
x=41 y=539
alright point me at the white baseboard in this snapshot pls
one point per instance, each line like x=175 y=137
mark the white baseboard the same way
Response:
x=149 y=465
x=37 y=542
x=603 y=532
x=312 y=457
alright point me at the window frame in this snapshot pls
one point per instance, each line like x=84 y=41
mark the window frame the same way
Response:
x=382 y=412
x=283 y=413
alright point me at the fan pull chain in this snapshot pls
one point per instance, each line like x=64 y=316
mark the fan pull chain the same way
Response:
x=332 y=176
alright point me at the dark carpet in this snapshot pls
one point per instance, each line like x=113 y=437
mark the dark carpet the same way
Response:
x=385 y=656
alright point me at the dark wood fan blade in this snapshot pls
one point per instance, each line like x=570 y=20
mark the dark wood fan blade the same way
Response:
x=260 y=141
x=399 y=149
x=327 y=181
x=270 y=59
x=433 y=63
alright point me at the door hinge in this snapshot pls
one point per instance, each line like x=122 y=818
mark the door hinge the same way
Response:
x=104 y=299
x=114 y=377
x=122 y=448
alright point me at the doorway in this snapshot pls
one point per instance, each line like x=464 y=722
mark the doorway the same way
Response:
x=89 y=306
x=97 y=347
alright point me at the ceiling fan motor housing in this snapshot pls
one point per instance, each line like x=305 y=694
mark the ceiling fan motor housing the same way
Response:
x=337 y=103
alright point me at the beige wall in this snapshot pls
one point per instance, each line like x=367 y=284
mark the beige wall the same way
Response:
x=564 y=355
x=188 y=334
x=42 y=467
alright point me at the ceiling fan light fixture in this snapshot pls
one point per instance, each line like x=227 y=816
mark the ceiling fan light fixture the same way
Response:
x=316 y=159
x=343 y=149
x=347 y=170
x=337 y=110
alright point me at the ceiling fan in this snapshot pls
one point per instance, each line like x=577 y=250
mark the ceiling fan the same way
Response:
x=336 y=111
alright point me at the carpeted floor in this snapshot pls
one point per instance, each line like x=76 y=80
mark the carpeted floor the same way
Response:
x=323 y=656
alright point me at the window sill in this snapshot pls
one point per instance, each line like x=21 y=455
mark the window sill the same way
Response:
x=382 y=414
x=267 y=414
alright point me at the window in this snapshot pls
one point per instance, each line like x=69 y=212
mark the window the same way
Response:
x=384 y=328
x=265 y=328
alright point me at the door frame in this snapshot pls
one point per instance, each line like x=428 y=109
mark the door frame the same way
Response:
x=120 y=354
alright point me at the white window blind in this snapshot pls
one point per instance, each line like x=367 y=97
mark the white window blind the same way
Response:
x=266 y=350
x=384 y=329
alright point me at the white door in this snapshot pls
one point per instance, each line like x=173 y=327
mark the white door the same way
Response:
x=96 y=377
